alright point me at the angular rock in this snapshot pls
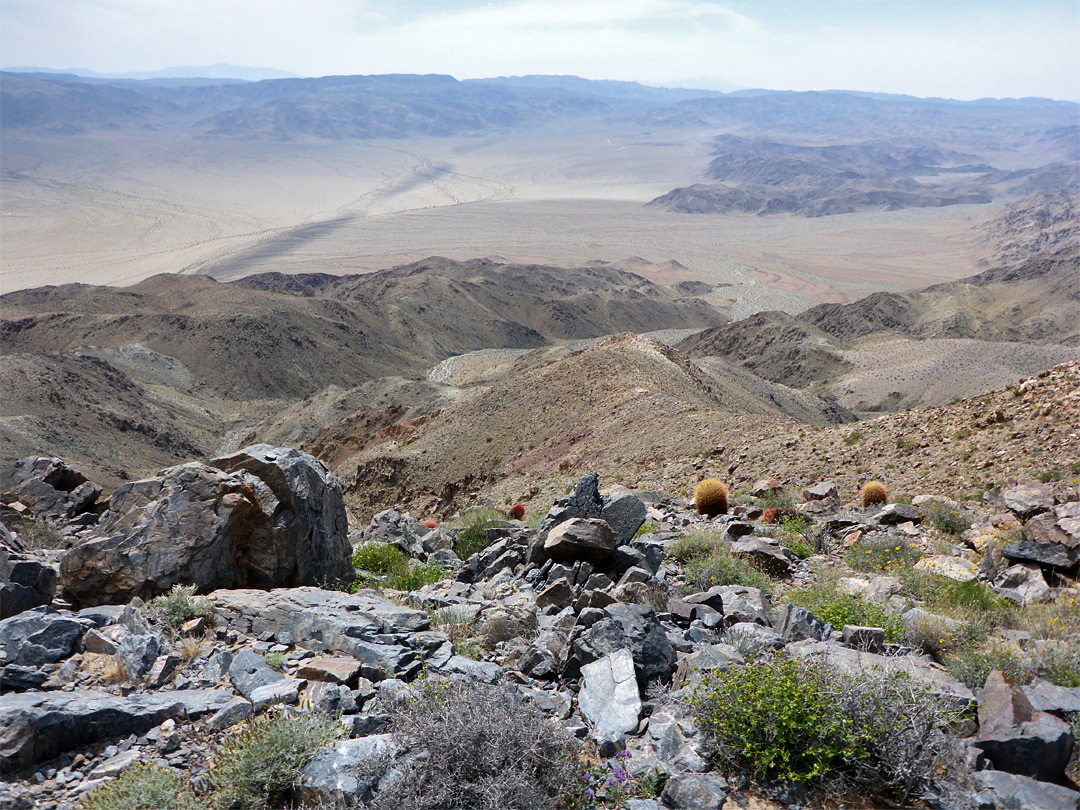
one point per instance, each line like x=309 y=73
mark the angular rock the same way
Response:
x=1044 y=530
x=667 y=739
x=249 y=671
x=1018 y=739
x=37 y=726
x=797 y=623
x=335 y=669
x=635 y=628
x=693 y=666
x=625 y=514
x=870 y=639
x=329 y=698
x=135 y=655
x=1028 y=499
x=825 y=490
x=364 y=625
x=1009 y=791
x=285 y=691
x=591 y=540
x=750 y=637
x=610 y=700
x=164 y=667
x=39 y=636
x=583 y=502
x=1047 y=697
x=263 y=517
x=231 y=713
x=695 y=791
x=49 y=486
x=338 y=774
x=768 y=555
x=893 y=514
x=1051 y=554
x=24 y=583
x=1026 y=582
x=558 y=594
x=394 y=528
x=952 y=567
x=766 y=487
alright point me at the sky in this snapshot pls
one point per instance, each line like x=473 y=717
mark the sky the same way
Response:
x=952 y=48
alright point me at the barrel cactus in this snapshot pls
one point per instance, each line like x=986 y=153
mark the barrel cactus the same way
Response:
x=710 y=497
x=873 y=492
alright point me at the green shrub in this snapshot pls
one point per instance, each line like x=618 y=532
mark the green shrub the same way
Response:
x=794 y=531
x=722 y=567
x=472 y=538
x=691 y=546
x=971 y=667
x=853 y=438
x=178 y=606
x=799 y=720
x=145 y=787
x=648 y=527
x=487 y=750
x=780 y=499
x=380 y=558
x=262 y=762
x=882 y=556
x=419 y=575
x=839 y=609
x=275 y=660
x=392 y=569
x=947 y=518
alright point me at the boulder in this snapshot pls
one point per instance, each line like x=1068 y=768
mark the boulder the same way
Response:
x=334 y=669
x=558 y=594
x=610 y=700
x=338 y=774
x=695 y=791
x=822 y=491
x=625 y=514
x=1050 y=554
x=264 y=517
x=1028 y=498
x=893 y=514
x=871 y=639
x=1018 y=739
x=768 y=555
x=1024 y=583
x=1009 y=791
x=397 y=529
x=40 y=636
x=635 y=628
x=590 y=539
x=952 y=567
x=753 y=638
x=38 y=726
x=249 y=672
x=135 y=655
x=797 y=623
x=24 y=582
x=584 y=502
x=49 y=486
x=766 y=487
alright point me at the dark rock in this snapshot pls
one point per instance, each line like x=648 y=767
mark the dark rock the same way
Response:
x=823 y=491
x=249 y=671
x=797 y=623
x=1028 y=499
x=38 y=726
x=558 y=594
x=893 y=514
x=1008 y=791
x=1054 y=555
x=164 y=667
x=263 y=517
x=695 y=791
x=633 y=627
x=737 y=529
x=135 y=655
x=24 y=583
x=49 y=486
x=871 y=639
x=768 y=555
x=591 y=540
x=39 y=636
x=20 y=678
x=231 y=713
x=625 y=514
x=339 y=774
x=584 y=502
x=1018 y=739
x=610 y=700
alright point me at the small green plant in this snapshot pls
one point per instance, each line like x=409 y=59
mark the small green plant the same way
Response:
x=380 y=558
x=689 y=547
x=722 y=567
x=777 y=499
x=853 y=438
x=275 y=660
x=794 y=531
x=145 y=787
x=261 y=762
x=948 y=518
x=839 y=609
x=472 y=538
x=419 y=575
x=178 y=606
x=648 y=527
x=387 y=566
x=1049 y=475
x=882 y=556
x=36 y=534
x=801 y=721
x=464 y=631
x=606 y=785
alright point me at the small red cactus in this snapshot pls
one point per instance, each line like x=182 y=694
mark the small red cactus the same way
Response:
x=770 y=515
x=431 y=524
x=517 y=511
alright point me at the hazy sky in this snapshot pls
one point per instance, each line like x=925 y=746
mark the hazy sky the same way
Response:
x=957 y=48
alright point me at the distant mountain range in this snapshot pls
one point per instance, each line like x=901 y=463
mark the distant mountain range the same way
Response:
x=215 y=72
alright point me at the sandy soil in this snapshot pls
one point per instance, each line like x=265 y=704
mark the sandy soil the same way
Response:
x=116 y=210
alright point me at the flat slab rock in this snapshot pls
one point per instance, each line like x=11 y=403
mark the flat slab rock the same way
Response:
x=37 y=726
x=363 y=625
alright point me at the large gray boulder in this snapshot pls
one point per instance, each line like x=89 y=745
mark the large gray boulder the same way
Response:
x=1028 y=498
x=583 y=502
x=40 y=636
x=625 y=514
x=342 y=773
x=37 y=726
x=629 y=627
x=263 y=517
x=591 y=540
x=24 y=582
x=1010 y=791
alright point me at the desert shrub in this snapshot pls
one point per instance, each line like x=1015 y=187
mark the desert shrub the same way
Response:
x=853 y=438
x=779 y=499
x=648 y=527
x=392 y=569
x=144 y=787
x=882 y=556
x=873 y=493
x=178 y=606
x=689 y=547
x=794 y=530
x=37 y=534
x=947 y=518
x=710 y=497
x=463 y=630
x=876 y=731
x=607 y=785
x=472 y=537
x=487 y=751
x=971 y=667
x=937 y=635
x=722 y=567
x=275 y=660
x=839 y=609
x=262 y=761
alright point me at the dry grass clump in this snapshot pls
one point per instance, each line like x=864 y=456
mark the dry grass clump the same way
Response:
x=711 y=497
x=873 y=493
